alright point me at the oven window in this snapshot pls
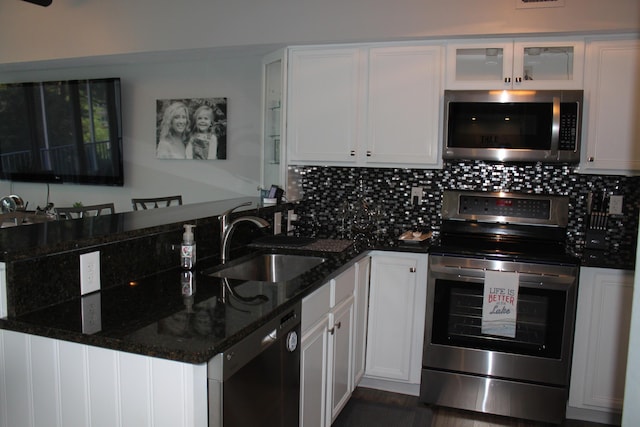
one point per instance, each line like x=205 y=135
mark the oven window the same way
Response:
x=457 y=320
x=500 y=125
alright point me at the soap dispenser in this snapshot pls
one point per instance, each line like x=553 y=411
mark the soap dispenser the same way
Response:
x=188 y=248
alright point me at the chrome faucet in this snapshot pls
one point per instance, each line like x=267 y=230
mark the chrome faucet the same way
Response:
x=227 y=227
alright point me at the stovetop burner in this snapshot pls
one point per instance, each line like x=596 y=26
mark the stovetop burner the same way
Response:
x=505 y=249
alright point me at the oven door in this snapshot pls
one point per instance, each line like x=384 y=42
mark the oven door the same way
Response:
x=541 y=349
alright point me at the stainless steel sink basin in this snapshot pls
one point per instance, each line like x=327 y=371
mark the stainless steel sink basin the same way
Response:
x=270 y=267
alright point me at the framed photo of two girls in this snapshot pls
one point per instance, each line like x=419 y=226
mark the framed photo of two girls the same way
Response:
x=193 y=128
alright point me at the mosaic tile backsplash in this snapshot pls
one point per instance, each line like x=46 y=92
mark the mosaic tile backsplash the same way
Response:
x=328 y=190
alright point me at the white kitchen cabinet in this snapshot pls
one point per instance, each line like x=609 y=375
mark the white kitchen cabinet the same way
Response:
x=273 y=118
x=361 y=308
x=600 y=345
x=395 y=334
x=611 y=128
x=326 y=365
x=48 y=382
x=341 y=356
x=374 y=105
x=540 y=63
x=313 y=373
x=3 y=290
x=323 y=102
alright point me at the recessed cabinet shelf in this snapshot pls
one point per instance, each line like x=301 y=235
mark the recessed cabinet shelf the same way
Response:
x=273 y=171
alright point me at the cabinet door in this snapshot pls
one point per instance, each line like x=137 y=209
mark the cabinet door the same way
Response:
x=313 y=375
x=601 y=339
x=273 y=157
x=541 y=64
x=3 y=290
x=403 y=114
x=341 y=356
x=487 y=64
x=612 y=103
x=397 y=301
x=360 y=319
x=507 y=64
x=322 y=110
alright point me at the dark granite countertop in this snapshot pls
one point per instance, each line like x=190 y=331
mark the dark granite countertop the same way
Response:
x=152 y=316
x=56 y=236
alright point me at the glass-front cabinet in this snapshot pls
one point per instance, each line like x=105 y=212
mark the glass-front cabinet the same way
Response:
x=273 y=157
x=515 y=64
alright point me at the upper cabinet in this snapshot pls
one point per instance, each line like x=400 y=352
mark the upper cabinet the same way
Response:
x=542 y=63
x=273 y=84
x=611 y=129
x=373 y=105
x=323 y=103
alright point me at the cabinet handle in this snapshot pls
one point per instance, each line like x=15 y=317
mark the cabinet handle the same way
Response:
x=591 y=159
x=507 y=79
x=518 y=79
x=412 y=270
x=333 y=330
x=368 y=153
x=353 y=153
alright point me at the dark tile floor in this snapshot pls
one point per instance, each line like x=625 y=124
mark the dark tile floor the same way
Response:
x=374 y=408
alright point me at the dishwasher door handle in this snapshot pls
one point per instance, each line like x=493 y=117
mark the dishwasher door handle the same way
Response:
x=269 y=339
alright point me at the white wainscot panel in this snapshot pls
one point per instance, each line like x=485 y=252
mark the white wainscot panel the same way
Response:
x=46 y=382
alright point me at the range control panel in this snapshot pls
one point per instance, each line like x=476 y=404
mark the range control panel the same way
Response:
x=505 y=206
x=500 y=207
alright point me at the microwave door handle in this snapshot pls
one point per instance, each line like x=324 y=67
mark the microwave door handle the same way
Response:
x=555 y=127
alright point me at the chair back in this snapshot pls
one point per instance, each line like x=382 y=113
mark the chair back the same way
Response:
x=156 y=202
x=84 y=211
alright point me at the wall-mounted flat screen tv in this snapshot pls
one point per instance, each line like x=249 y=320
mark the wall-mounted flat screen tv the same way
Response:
x=62 y=132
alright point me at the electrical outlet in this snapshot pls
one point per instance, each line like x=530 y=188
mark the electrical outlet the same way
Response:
x=291 y=216
x=89 y=272
x=615 y=205
x=91 y=313
x=277 y=223
x=416 y=195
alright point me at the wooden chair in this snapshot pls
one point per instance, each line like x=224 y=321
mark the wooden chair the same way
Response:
x=155 y=202
x=85 y=211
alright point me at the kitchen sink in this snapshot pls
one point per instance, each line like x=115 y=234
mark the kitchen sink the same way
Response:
x=270 y=268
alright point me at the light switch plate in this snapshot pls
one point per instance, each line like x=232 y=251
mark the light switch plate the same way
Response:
x=89 y=272
x=615 y=205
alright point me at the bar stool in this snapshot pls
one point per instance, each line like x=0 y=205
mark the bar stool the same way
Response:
x=155 y=202
x=84 y=211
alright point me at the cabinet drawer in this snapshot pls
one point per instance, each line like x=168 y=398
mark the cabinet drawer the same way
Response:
x=315 y=306
x=343 y=286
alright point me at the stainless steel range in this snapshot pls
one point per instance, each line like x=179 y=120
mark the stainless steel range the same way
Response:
x=500 y=306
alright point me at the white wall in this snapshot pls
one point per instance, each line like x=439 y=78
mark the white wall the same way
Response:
x=237 y=78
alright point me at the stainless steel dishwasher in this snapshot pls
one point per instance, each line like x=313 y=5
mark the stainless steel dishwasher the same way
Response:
x=256 y=382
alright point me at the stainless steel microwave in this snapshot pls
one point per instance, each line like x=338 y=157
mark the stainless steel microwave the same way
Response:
x=513 y=125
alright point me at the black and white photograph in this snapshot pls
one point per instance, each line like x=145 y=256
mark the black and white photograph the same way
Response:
x=194 y=128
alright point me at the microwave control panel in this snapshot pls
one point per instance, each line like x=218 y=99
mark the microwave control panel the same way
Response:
x=568 y=126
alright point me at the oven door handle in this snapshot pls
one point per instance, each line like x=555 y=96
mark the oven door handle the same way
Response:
x=527 y=278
